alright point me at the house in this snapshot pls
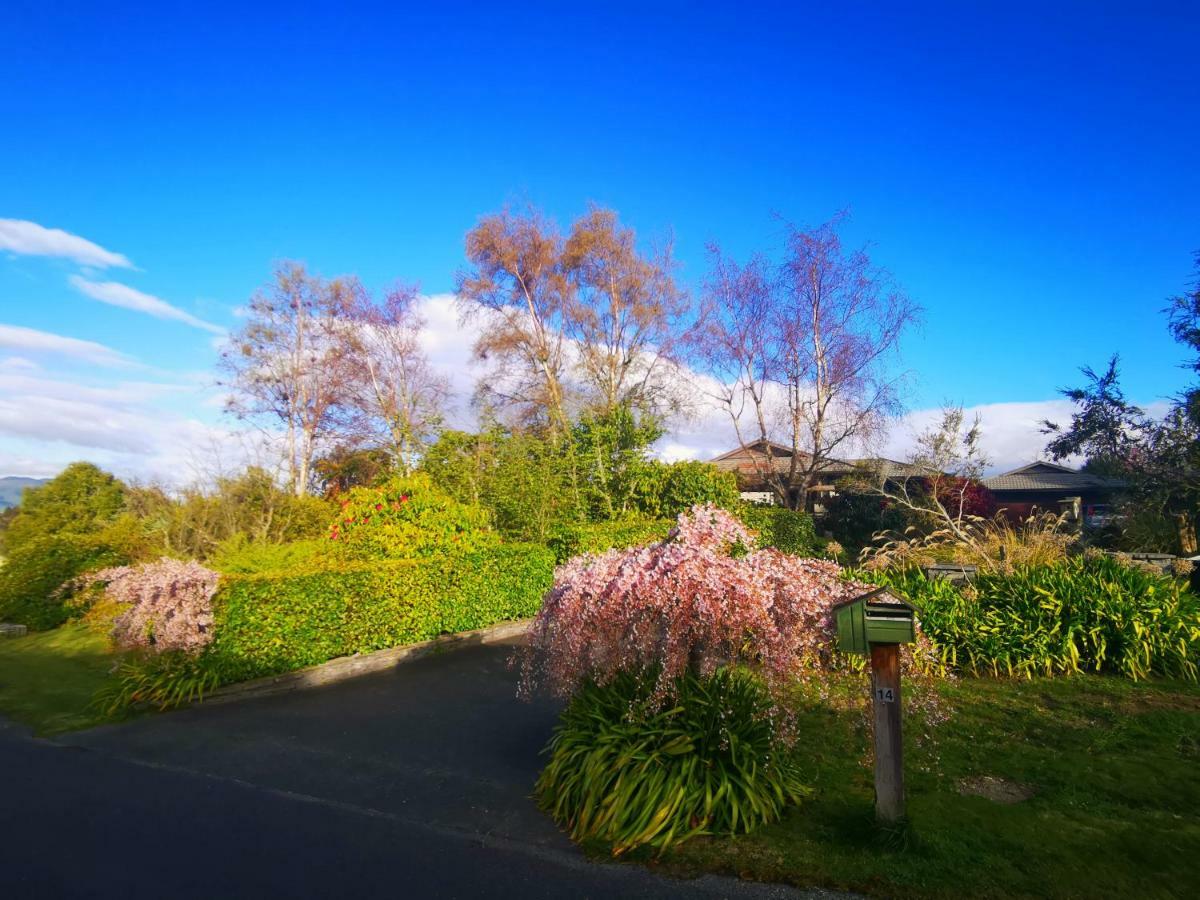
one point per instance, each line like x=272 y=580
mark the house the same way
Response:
x=1048 y=487
x=754 y=463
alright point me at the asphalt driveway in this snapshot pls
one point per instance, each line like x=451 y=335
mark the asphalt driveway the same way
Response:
x=410 y=783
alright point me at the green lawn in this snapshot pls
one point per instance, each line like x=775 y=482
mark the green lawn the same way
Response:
x=47 y=679
x=1114 y=768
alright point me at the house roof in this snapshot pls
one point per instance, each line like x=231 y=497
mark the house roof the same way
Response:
x=1047 y=476
x=749 y=460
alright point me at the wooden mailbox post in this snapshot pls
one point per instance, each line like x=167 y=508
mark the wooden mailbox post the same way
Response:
x=877 y=624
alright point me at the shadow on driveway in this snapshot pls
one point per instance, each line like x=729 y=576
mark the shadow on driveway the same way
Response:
x=409 y=783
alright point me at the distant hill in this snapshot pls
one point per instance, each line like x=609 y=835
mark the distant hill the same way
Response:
x=11 y=487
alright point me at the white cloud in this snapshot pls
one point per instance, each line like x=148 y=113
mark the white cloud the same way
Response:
x=18 y=364
x=32 y=239
x=30 y=340
x=117 y=294
x=140 y=430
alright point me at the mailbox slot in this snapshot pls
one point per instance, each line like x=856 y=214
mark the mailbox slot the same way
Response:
x=869 y=620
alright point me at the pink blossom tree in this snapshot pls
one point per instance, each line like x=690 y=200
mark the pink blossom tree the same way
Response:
x=170 y=605
x=703 y=598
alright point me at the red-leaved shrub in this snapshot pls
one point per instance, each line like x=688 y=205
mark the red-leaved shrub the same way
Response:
x=170 y=605
x=702 y=598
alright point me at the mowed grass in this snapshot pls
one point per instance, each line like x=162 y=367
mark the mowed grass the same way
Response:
x=1114 y=768
x=48 y=679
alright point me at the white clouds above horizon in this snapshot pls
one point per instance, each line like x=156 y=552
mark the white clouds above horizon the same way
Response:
x=169 y=430
x=30 y=340
x=117 y=294
x=31 y=239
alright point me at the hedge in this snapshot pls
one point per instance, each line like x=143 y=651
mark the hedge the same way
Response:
x=571 y=540
x=275 y=622
x=784 y=529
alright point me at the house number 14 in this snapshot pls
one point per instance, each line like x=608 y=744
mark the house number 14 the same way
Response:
x=885 y=695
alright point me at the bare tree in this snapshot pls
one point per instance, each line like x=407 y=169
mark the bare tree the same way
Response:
x=944 y=468
x=287 y=365
x=625 y=317
x=516 y=286
x=802 y=348
x=399 y=395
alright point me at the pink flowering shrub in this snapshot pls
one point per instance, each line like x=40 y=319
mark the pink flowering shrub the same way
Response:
x=170 y=605
x=700 y=599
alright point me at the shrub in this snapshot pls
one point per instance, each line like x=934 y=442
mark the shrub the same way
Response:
x=1086 y=613
x=250 y=506
x=81 y=500
x=169 y=605
x=162 y=680
x=994 y=545
x=664 y=490
x=708 y=762
x=787 y=530
x=32 y=578
x=277 y=622
x=407 y=517
x=855 y=516
x=567 y=541
x=685 y=604
x=239 y=555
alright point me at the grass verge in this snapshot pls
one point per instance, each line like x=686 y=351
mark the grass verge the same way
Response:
x=48 y=678
x=1108 y=769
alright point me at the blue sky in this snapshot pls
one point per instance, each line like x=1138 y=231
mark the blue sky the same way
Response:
x=1027 y=174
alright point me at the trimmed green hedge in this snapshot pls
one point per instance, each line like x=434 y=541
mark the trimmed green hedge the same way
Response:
x=784 y=529
x=571 y=540
x=271 y=623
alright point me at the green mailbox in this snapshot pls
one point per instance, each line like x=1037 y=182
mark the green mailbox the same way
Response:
x=870 y=619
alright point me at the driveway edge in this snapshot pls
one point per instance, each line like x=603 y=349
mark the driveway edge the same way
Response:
x=346 y=667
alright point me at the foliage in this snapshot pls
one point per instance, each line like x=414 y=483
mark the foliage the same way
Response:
x=707 y=762
x=854 y=516
x=31 y=577
x=787 y=530
x=1159 y=460
x=195 y=523
x=993 y=545
x=169 y=605
x=1105 y=427
x=79 y=500
x=407 y=516
x=688 y=603
x=607 y=451
x=1087 y=613
x=582 y=322
x=571 y=540
x=239 y=555
x=159 y=680
x=939 y=488
x=665 y=490
x=276 y=622
x=527 y=482
x=345 y=467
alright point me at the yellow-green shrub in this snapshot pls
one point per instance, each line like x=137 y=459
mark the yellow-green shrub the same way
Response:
x=571 y=540
x=407 y=517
